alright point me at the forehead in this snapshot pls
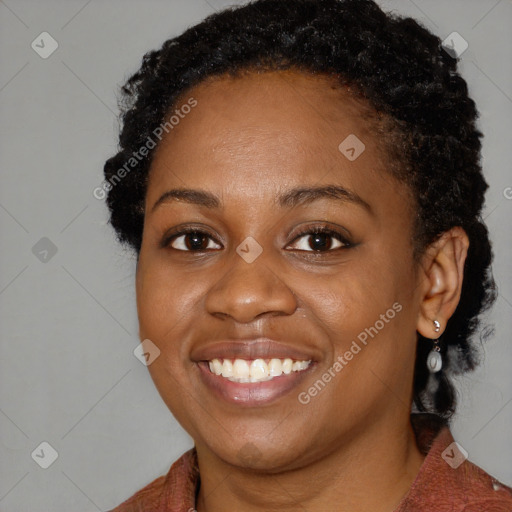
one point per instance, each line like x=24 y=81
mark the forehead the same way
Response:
x=273 y=127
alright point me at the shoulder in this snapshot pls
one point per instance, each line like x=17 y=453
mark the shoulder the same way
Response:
x=448 y=481
x=163 y=494
x=480 y=491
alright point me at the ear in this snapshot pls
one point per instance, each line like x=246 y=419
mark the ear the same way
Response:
x=442 y=273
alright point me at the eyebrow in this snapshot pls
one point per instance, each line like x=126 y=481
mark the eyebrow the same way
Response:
x=289 y=199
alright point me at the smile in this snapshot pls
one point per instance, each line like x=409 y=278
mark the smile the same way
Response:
x=257 y=370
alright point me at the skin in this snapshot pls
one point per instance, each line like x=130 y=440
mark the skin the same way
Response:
x=248 y=140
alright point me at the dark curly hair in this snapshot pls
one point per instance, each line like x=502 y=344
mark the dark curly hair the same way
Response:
x=425 y=118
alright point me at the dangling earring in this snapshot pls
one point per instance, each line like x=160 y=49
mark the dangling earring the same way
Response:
x=434 y=359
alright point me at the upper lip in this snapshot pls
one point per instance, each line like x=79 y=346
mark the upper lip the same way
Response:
x=258 y=348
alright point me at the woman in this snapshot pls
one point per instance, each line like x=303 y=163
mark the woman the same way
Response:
x=301 y=183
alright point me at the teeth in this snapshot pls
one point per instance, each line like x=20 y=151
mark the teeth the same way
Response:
x=241 y=369
x=227 y=368
x=216 y=366
x=258 y=370
x=287 y=366
x=297 y=366
x=275 y=367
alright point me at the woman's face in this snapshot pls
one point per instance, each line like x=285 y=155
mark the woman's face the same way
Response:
x=346 y=303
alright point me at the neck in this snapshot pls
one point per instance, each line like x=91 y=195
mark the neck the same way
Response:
x=371 y=472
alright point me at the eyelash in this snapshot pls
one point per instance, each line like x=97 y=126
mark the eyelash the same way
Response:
x=305 y=231
x=326 y=231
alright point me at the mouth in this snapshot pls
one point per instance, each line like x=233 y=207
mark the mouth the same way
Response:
x=253 y=373
x=256 y=370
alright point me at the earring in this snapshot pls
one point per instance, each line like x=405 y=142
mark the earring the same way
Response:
x=434 y=359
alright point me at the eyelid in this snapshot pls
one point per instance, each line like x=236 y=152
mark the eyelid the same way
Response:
x=185 y=230
x=326 y=229
x=336 y=233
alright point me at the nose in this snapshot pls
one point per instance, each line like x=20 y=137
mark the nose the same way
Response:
x=248 y=291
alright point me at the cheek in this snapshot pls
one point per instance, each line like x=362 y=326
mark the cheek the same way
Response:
x=166 y=309
x=364 y=312
x=165 y=299
x=349 y=300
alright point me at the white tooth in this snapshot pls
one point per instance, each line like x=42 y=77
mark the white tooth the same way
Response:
x=217 y=367
x=236 y=379
x=275 y=368
x=299 y=365
x=227 y=368
x=258 y=370
x=241 y=369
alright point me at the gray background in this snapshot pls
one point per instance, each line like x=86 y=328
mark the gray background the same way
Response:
x=68 y=326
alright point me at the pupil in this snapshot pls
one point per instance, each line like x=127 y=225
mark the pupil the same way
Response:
x=320 y=240
x=197 y=241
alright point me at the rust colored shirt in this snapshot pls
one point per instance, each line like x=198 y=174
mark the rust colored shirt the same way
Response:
x=446 y=481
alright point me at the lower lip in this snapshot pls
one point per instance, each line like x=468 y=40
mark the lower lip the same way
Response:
x=252 y=393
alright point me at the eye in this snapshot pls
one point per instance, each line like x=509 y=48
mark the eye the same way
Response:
x=316 y=239
x=320 y=239
x=192 y=240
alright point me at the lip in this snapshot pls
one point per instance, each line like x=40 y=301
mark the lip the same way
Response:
x=260 y=348
x=252 y=394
